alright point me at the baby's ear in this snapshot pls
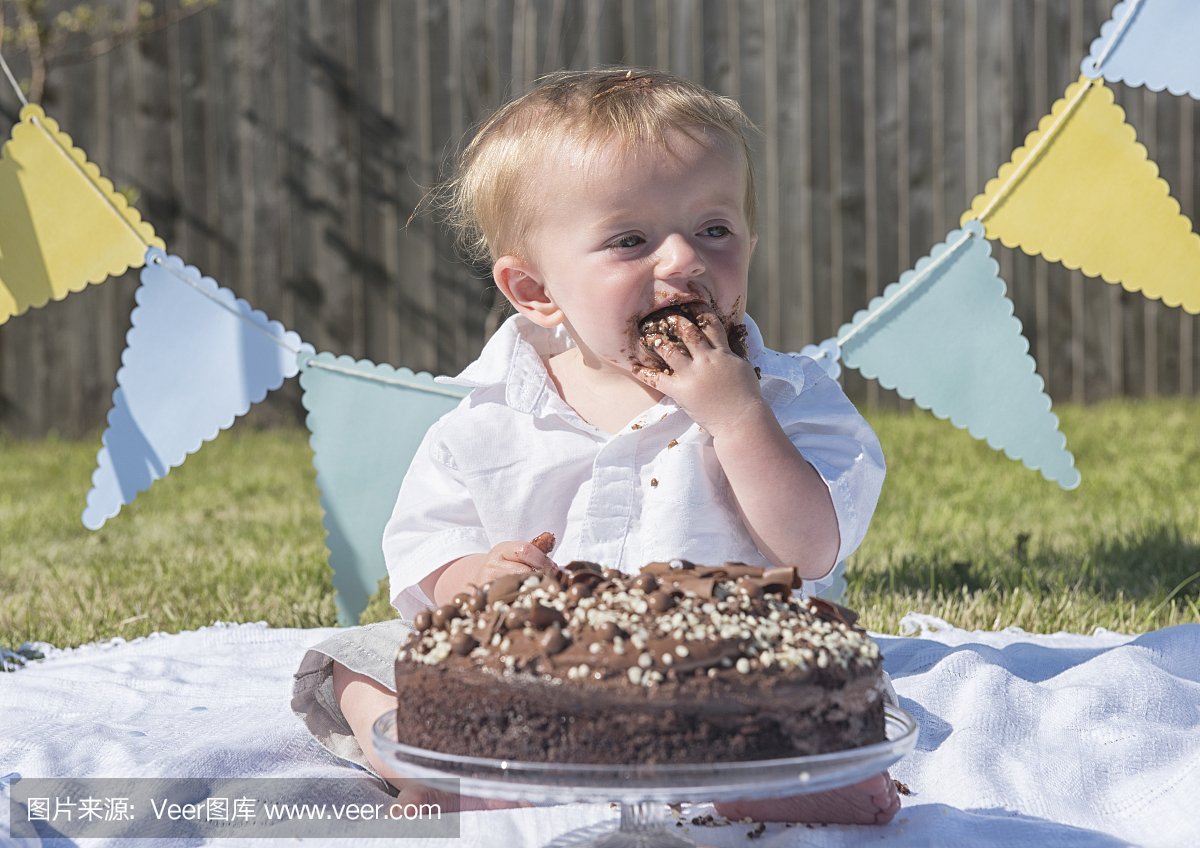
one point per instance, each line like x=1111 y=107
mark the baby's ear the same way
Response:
x=520 y=282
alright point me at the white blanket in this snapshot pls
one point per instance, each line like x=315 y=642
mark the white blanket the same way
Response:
x=1025 y=740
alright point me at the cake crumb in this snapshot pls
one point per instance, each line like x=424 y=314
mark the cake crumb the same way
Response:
x=759 y=830
x=673 y=443
x=653 y=482
x=902 y=788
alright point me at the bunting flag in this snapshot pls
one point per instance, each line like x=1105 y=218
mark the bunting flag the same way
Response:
x=1151 y=43
x=366 y=421
x=196 y=358
x=826 y=354
x=945 y=337
x=1091 y=200
x=61 y=224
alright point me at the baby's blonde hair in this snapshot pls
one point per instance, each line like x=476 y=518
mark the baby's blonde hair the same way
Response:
x=488 y=201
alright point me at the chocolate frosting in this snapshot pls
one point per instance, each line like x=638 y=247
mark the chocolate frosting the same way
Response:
x=671 y=621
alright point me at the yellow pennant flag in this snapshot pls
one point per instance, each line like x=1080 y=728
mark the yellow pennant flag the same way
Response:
x=61 y=224
x=1092 y=200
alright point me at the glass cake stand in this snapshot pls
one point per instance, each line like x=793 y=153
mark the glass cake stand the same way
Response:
x=642 y=791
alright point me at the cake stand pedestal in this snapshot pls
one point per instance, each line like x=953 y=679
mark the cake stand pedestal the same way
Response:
x=642 y=790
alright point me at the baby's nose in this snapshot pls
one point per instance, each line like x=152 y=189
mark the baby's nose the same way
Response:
x=678 y=257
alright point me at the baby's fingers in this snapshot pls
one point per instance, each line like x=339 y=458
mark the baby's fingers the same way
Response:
x=526 y=554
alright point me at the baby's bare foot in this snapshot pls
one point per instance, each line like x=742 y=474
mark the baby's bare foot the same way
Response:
x=875 y=800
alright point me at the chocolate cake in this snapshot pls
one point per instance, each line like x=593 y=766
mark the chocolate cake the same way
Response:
x=680 y=663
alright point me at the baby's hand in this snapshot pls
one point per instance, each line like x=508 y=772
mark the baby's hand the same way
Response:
x=713 y=384
x=513 y=558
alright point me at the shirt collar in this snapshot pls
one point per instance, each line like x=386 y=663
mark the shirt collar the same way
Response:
x=512 y=357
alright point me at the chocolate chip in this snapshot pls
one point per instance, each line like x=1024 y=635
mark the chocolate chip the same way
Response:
x=544 y=542
x=477 y=603
x=515 y=619
x=611 y=574
x=660 y=601
x=827 y=611
x=608 y=631
x=462 y=643
x=553 y=641
x=646 y=582
x=578 y=592
x=506 y=588
x=423 y=620
x=542 y=616
x=444 y=614
x=460 y=599
x=749 y=587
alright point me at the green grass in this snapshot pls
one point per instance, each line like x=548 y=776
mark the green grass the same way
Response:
x=971 y=536
x=961 y=532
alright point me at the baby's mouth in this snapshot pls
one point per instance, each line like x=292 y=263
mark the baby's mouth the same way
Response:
x=665 y=327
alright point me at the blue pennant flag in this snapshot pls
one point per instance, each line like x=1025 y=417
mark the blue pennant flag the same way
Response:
x=952 y=344
x=196 y=358
x=366 y=421
x=1157 y=47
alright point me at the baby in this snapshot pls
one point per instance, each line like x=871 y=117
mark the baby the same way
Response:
x=630 y=407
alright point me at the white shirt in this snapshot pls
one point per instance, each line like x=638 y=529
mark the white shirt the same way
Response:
x=513 y=460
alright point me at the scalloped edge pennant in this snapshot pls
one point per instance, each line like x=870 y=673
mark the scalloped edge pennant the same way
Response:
x=1036 y=441
x=1093 y=201
x=357 y=573
x=37 y=140
x=1157 y=48
x=149 y=446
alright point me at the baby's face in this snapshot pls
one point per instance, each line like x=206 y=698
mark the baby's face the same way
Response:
x=620 y=235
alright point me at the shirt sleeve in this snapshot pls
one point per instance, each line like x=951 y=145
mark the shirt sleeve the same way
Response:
x=838 y=442
x=434 y=522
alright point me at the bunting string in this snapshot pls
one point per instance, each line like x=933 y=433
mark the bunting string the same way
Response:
x=108 y=202
x=13 y=82
x=1033 y=154
x=363 y=375
x=905 y=289
x=1108 y=48
x=234 y=312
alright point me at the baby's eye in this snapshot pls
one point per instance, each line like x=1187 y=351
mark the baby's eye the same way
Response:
x=715 y=231
x=628 y=241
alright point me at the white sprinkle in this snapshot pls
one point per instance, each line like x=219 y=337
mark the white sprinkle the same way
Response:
x=572 y=674
x=496 y=640
x=505 y=646
x=743 y=665
x=645 y=660
x=712 y=672
x=584 y=669
x=666 y=658
x=681 y=650
x=635 y=675
x=640 y=606
x=595 y=648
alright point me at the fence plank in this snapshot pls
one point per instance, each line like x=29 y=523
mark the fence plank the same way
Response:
x=283 y=146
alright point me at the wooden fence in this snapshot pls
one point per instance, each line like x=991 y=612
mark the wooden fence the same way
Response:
x=282 y=145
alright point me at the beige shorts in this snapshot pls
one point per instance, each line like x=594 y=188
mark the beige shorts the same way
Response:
x=369 y=650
